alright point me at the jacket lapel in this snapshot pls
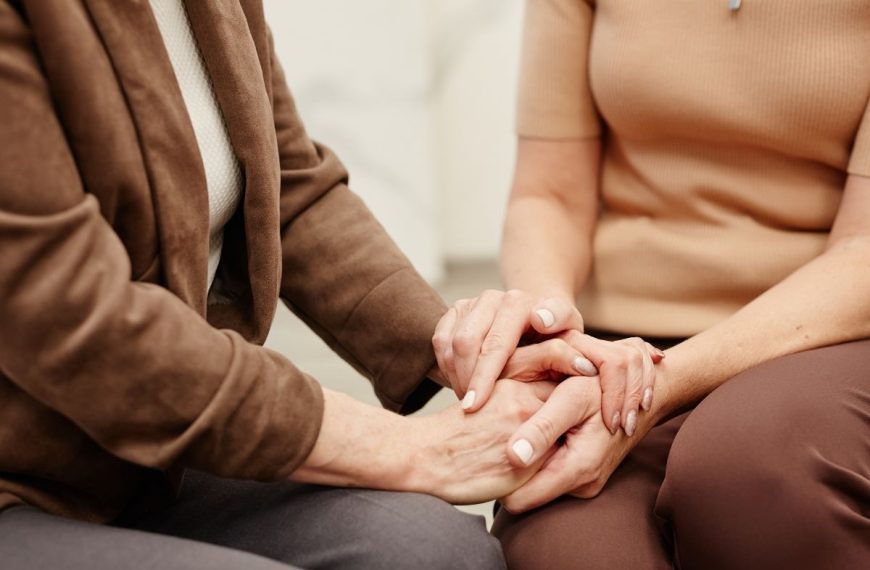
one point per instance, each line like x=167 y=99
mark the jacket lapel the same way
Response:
x=135 y=47
x=233 y=62
x=175 y=169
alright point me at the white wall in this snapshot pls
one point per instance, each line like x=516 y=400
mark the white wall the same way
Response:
x=477 y=62
x=416 y=97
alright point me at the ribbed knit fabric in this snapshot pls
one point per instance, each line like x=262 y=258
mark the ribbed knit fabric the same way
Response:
x=727 y=140
x=222 y=172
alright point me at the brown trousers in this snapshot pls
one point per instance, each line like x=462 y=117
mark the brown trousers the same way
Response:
x=770 y=471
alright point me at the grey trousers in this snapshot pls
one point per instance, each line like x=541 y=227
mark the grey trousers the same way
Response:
x=223 y=524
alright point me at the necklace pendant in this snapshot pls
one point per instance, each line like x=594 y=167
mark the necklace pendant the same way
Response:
x=734 y=5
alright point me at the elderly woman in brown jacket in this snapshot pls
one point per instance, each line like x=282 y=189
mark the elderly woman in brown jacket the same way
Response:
x=158 y=195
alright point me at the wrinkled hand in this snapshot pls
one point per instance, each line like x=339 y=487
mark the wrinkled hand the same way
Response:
x=582 y=462
x=463 y=458
x=626 y=371
x=474 y=340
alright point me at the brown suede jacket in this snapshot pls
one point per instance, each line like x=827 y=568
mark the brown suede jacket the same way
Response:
x=114 y=367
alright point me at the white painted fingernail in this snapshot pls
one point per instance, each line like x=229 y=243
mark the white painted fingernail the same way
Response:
x=646 y=403
x=468 y=400
x=523 y=449
x=585 y=367
x=630 y=423
x=615 y=423
x=546 y=317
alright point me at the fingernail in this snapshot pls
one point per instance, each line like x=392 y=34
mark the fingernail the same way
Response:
x=646 y=403
x=468 y=400
x=546 y=317
x=523 y=449
x=660 y=352
x=585 y=367
x=615 y=423
x=630 y=423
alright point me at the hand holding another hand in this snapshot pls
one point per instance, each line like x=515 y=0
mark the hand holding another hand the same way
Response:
x=475 y=338
x=579 y=453
x=476 y=343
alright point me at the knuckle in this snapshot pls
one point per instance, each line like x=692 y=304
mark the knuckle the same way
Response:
x=572 y=337
x=554 y=348
x=440 y=342
x=514 y=295
x=512 y=505
x=494 y=343
x=463 y=343
x=491 y=293
x=619 y=365
x=589 y=491
x=545 y=428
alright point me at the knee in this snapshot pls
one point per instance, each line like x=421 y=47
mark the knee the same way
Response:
x=741 y=441
x=422 y=531
x=758 y=458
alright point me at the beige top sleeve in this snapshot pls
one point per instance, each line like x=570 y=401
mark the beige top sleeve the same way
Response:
x=555 y=100
x=860 y=162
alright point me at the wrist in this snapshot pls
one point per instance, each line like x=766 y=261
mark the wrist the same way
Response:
x=359 y=446
x=425 y=470
x=665 y=403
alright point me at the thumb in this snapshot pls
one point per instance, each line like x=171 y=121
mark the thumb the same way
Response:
x=555 y=315
x=565 y=408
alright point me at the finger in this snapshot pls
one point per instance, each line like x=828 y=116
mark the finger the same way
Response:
x=555 y=315
x=612 y=370
x=552 y=481
x=462 y=307
x=510 y=323
x=649 y=380
x=470 y=332
x=567 y=406
x=638 y=360
x=540 y=361
x=443 y=347
x=655 y=353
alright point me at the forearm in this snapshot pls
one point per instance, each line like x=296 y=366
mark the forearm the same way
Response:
x=359 y=446
x=459 y=457
x=544 y=250
x=824 y=302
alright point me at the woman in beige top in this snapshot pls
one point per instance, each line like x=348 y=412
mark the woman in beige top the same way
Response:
x=697 y=174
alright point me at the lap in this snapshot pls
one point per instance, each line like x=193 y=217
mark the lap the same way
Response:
x=805 y=415
x=617 y=529
x=30 y=538
x=322 y=527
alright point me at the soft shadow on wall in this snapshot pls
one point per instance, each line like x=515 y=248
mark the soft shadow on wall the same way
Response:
x=417 y=98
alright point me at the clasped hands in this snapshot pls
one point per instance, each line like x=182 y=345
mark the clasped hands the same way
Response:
x=583 y=401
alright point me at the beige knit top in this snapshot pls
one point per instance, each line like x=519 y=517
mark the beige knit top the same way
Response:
x=727 y=140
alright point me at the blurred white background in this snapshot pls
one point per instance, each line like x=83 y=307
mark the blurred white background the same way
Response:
x=417 y=98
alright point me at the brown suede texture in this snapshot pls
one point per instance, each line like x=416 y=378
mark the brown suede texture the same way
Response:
x=115 y=367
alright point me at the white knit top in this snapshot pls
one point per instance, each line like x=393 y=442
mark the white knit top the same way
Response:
x=222 y=172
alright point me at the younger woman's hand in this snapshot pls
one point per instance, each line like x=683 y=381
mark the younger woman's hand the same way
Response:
x=626 y=370
x=579 y=453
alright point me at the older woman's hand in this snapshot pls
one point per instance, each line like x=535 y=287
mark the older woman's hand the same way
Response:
x=464 y=458
x=626 y=371
x=474 y=340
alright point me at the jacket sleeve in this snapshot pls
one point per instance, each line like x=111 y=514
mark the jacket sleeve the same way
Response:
x=135 y=368
x=344 y=276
